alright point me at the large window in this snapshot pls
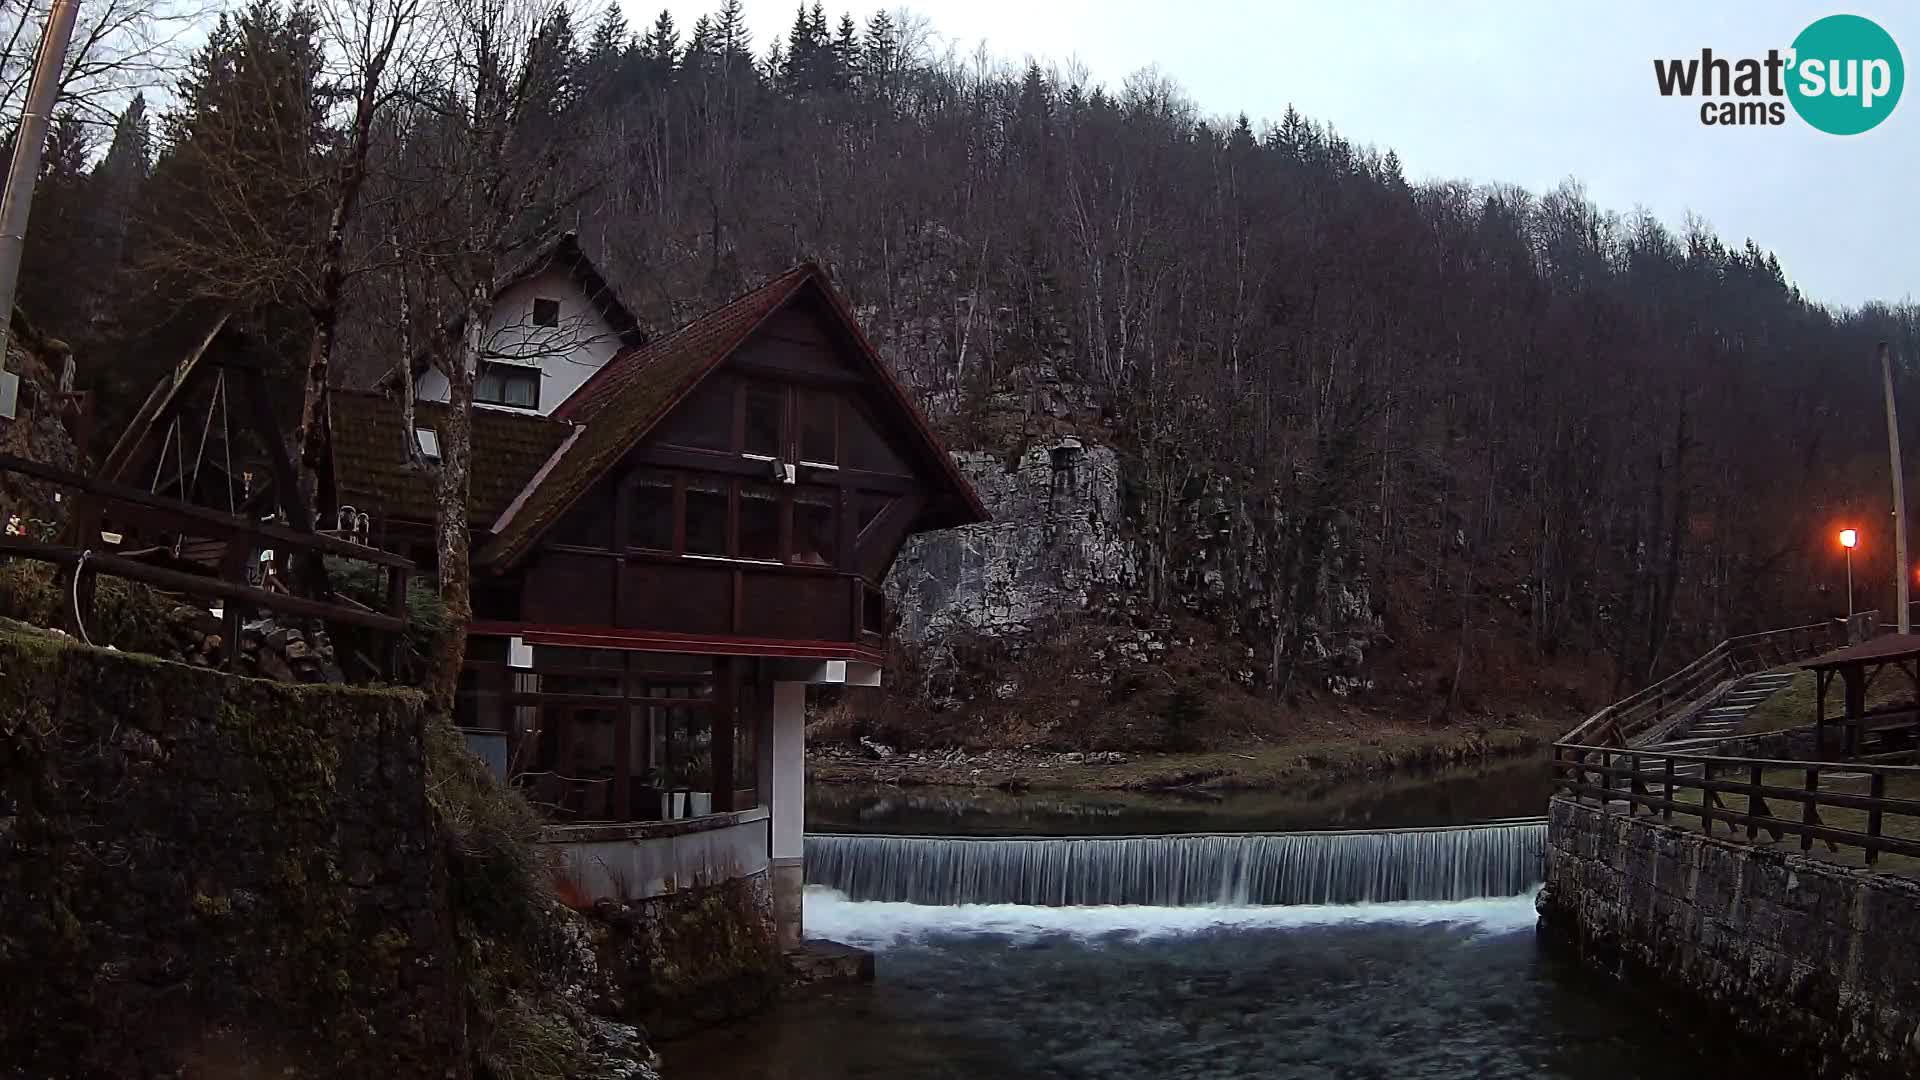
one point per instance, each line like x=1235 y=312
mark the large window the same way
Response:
x=762 y=510
x=819 y=438
x=650 y=513
x=766 y=419
x=707 y=516
x=814 y=523
x=507 y=384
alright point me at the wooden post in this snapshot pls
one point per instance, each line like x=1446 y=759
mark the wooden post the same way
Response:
x=1878 y=791
x=726 y=699
x=1706 y=798
x=622 y=808
x=1900 y=568
x=1811 y=816
x=1666 y=812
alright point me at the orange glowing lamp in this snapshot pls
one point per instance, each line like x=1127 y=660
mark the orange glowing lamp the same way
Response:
x=1849 y=538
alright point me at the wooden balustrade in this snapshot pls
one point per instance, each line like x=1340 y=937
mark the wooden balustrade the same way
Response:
x=236 y=537
x=1815 y=806
x=1684 y=690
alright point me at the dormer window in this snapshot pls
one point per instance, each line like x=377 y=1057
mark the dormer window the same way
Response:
x=507 y=384
x=546 y=311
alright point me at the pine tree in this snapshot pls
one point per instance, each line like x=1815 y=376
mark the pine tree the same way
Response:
x=606 y=53
x=846 y=54
x=234 y=215
x=731 y=39
x=795 y=68
x=702 y=50
x=877 y=56
x=1241 y=140
x=551 y=63
x=660 y=49
x=56 y=280
x=117 y=183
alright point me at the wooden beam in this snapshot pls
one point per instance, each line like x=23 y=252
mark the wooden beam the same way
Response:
x=197 y=585
x=189 y=514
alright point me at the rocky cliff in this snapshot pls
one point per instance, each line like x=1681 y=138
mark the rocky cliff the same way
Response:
x=1068 y=603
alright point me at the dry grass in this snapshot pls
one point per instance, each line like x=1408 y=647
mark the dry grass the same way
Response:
x=1793 y=705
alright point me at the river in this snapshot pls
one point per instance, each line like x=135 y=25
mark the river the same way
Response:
x=1413 y=967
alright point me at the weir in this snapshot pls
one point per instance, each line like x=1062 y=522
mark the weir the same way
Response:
x=1456 y=863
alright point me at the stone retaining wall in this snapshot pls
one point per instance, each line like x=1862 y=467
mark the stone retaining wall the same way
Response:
x=1816 y=961
x=210 y=876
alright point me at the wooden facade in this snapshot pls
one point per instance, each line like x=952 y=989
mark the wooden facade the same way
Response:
x=727 y=498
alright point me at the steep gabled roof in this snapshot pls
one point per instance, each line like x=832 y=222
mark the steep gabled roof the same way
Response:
x=371 y=470
x=563 y=252
x=623 y=401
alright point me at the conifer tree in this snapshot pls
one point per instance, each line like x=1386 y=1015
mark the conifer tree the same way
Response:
x=606 y=53
x=660 y=49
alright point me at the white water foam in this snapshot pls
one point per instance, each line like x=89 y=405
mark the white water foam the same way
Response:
x=885 y=924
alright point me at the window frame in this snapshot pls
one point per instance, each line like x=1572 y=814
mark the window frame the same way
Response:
x=534 y=316
x=504 y=370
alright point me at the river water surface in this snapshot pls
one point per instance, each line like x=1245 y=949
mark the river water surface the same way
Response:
x=1208 y=985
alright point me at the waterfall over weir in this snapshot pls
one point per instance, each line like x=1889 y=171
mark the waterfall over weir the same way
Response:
x=1458 y=863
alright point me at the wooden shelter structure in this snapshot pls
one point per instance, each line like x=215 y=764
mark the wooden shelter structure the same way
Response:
x=174 y=506
x=1862 y=728
x=665 y=558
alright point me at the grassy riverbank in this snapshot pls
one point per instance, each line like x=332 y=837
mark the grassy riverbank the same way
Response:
x=1322 y=761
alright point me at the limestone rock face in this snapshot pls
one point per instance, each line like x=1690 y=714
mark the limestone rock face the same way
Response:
x=1065 y=548
x=1056 y=545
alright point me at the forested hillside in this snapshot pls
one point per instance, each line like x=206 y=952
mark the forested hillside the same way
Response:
x=1527 y=434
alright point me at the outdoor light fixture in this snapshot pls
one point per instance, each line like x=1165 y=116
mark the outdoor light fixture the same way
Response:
x=1849 y=539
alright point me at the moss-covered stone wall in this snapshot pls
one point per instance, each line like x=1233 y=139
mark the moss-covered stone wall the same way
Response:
x=694 y=956
x=210 y=876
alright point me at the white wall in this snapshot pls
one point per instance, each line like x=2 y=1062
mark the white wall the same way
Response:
x=646 y=859
x=566 y=355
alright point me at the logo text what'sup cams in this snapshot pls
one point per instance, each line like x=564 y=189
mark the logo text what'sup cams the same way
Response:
x=1843 y=75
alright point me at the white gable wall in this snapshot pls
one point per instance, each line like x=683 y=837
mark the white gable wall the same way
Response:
x=566 y=354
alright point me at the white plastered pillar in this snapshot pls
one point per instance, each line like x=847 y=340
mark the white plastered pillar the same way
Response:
x=785 y=766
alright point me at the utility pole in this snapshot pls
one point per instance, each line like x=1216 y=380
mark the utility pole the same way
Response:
x=28 y=145
x=1901 y=571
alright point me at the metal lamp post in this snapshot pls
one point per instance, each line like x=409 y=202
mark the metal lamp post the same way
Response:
x=1849 y=539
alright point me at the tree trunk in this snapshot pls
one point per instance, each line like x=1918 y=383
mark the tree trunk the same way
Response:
x=452 y=538
x=316 y=421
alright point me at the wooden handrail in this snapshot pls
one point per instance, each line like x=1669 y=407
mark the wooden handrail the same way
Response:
x=1682 y=690
x=1575 y=768
x=198 y=584
x=225 y=524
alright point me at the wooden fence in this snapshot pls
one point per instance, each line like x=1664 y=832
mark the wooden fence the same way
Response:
x=1666 y=702
x=1872 y=807
x=236 y=537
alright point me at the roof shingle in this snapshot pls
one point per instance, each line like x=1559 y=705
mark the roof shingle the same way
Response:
x=371 y=470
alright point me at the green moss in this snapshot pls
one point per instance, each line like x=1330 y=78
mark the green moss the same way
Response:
x=126 y=615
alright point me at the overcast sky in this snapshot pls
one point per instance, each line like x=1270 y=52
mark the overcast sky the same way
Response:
x=1525 y=93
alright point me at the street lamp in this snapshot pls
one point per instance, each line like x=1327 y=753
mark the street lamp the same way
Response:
x=1849 y=539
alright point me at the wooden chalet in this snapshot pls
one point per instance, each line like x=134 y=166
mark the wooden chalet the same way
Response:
x=667 y=551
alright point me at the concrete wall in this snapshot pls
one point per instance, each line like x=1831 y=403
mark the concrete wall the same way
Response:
x=1816 y=961
x=566 y=355
x=638 y=860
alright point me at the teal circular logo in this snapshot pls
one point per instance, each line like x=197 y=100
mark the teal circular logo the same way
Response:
x=1846 y=75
